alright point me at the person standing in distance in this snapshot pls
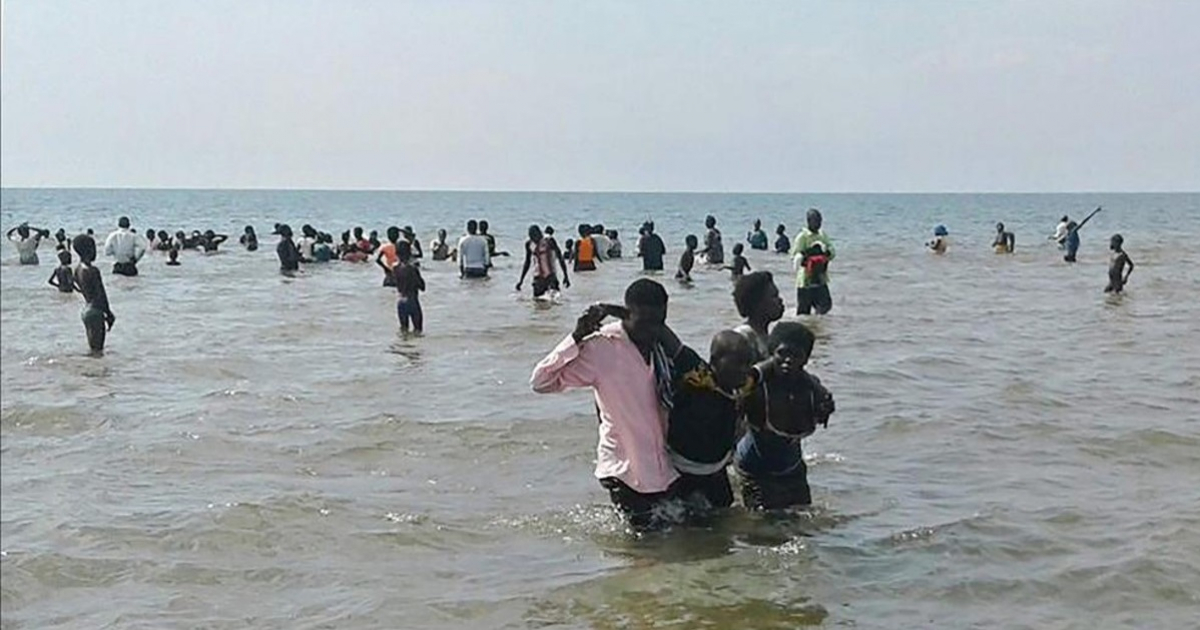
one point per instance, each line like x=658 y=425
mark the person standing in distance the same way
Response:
x=811 y=263
x=126 y=247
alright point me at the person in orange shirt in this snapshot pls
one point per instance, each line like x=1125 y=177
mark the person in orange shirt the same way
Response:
x=387 y=258
x=585 y=250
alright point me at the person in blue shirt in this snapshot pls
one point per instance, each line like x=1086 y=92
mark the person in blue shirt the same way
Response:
x=757 y=238
x=1072 y=241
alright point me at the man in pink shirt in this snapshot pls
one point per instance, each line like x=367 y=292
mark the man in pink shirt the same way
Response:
x=629 y=372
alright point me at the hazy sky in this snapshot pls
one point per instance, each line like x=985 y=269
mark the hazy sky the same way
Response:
x=604 y=95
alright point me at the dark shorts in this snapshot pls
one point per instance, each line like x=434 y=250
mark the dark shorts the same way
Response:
x=408 y=311
x=474 y=273
x=642 y=510
x=125 y=269
x=95 y=326
x=813 y=298
x=541 y=286
x=774 y=492
x=707 y=491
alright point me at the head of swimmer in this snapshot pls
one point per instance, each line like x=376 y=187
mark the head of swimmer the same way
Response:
x=393 y=234
x=535 y=233
x=472 y=226
x=123 y=222
x=645 y=311
x=85 y=247
x=1116 y=242
x=791 y=344
x=483 y=228
x=1000 y=228
x=691 y=241
x=757 y=298
x=731 y=357
x=173 y=254
x=814 y=220
x=710 y=222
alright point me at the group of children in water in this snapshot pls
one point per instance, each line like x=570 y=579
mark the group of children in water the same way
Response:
x=673 y=423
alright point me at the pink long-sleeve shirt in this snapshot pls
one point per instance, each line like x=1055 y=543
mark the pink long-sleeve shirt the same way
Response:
x=633 y=423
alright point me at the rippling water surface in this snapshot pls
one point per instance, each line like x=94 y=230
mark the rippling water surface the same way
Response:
x=1012 y=447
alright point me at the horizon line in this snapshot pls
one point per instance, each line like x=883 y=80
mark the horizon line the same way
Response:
x=608 y=191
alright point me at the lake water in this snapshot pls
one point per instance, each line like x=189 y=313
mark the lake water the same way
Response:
x=1012 y=448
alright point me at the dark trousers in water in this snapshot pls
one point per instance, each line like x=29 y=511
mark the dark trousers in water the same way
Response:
x=125 y=269
x=95 y=326
x=408 y=311
x=713 y=490
x=637 y=507
x=774 y=492
x=813 y=298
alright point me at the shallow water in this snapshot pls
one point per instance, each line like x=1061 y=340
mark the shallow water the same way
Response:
x=1012 y=448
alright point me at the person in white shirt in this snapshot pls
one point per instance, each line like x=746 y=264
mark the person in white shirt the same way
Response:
x=126 y=247
x=602 y=242
x=473 y=256
x=307 y=243
x=1060 y=233
x=27 y=240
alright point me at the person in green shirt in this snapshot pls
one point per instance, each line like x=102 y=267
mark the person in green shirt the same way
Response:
x=812 y=251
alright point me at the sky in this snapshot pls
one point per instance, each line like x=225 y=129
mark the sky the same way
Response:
x=613 y=95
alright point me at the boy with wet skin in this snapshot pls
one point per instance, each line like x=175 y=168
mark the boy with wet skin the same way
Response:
x=541 y=251
x=740 y=265
x=707 y=405
x=785 y=409
x=63 y=278
x=687 y=260
x=409 y=284
x=1119 y=263
x=97 y=317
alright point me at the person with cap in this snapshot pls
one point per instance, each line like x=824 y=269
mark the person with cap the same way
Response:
x=941 y=240
x=811 y=252
x=126 y=247
x=289 y=256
